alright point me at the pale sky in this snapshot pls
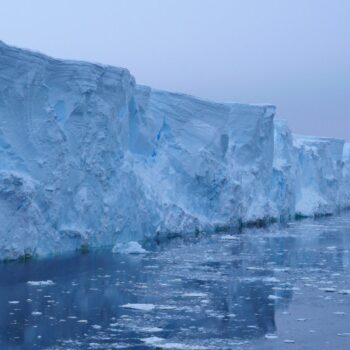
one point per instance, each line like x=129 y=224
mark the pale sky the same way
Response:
x=292 y=53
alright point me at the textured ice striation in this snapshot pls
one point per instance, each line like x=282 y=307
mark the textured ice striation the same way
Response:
x=89 y=159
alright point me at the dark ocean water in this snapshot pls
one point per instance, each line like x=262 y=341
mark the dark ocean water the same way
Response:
x=275 y=288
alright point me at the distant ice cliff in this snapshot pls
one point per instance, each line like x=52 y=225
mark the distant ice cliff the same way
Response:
x=90 y=159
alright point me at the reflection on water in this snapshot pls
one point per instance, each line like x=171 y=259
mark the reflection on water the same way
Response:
x=263 y=289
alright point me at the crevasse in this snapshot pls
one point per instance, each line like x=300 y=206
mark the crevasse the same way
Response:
x=89 y=159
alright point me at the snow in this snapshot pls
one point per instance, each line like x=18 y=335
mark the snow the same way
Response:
x=91 y=159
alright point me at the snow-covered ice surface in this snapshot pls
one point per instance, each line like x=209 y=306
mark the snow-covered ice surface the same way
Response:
x=90 y=159
x=266 y=289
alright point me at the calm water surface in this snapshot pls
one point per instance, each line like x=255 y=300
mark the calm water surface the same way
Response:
x=275 y=288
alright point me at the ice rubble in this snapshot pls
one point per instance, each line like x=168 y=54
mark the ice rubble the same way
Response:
x=89 y=158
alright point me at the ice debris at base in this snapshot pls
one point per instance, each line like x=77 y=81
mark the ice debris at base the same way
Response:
x=90 y=158
x=129 y=248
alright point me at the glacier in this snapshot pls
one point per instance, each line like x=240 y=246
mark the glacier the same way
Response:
x=91 y=159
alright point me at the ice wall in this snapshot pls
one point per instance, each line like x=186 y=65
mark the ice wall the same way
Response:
x=285 y=169
x=65 y=182
x=90 y=159
x=345 y=192
x=309 y=174
x=208 y=162
x=319 y=175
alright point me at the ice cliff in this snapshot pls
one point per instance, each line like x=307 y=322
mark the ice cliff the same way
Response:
x=310 y=174
x=90 y=159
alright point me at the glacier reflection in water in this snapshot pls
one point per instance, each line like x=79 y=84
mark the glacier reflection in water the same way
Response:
x=262 y=289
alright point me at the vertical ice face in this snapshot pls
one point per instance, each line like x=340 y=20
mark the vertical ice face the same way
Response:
x=345 y=191
x=64 y=130
x=208 y=162
x=89 y=158
x=319 y=175
x=252 y=149
x=284 y=171
x=309 y=179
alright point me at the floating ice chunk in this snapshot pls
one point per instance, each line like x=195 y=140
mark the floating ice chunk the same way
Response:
x=41 y=283
x=167 y=307
x=179 y=346
x=151 y=329
x=229 y=237
x=271 y=336
x=36 y=313
x=195 y=295
x=96 y=326
x=129 y=248
x=344 y=291
x=14 y=302
x=94 y=346
x=271 y=280
x=328 y=289
x=277 y=269
x=152 y=340
x=143 y=307
x=159 y=342
x=255 y=268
